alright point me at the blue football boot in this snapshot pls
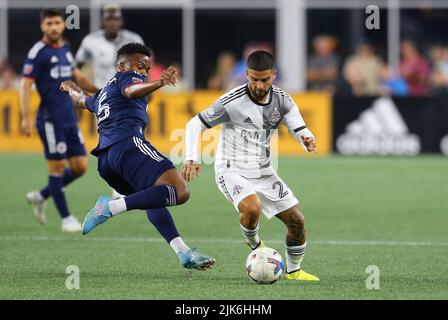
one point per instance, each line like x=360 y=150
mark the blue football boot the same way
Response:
x=191 y=259
x=98 y=215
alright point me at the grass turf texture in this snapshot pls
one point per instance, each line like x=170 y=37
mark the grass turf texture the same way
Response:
x=389 y=212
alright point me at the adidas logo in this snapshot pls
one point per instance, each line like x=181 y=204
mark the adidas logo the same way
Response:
x=379 y=130
x=54 y=59
x=247 y=120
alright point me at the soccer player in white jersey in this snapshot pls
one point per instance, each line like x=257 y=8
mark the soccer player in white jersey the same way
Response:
x=99 y=49
x=249 y=115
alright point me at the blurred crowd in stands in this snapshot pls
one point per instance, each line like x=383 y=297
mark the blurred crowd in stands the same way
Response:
x=363 y=73
x=422 y=71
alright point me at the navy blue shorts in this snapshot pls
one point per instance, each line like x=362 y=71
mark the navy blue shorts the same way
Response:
x=61 y=143
x=132 y=165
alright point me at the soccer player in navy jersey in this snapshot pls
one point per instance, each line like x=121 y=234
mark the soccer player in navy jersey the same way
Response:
x=49 y=62
x=126 y=160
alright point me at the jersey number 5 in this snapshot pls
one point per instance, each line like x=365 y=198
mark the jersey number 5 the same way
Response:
x=103 y=109
x=281 y=194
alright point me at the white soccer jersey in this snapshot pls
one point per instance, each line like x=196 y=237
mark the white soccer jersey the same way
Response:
x=103 y=53
x=246 y=129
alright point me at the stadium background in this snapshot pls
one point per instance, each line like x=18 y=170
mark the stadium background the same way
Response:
x=374 y=193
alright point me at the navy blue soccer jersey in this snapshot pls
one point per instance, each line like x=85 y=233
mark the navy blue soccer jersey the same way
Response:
x=118 y=116
x=49 y=66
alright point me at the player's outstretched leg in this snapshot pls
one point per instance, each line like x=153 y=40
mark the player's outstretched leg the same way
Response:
x=250 y=210
x=188 y=258
x=295 y=244
x=160 y=195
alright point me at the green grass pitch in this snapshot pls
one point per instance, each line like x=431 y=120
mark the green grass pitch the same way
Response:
x=388 y=212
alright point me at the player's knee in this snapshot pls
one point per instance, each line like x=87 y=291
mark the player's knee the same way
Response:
x=183 y=194
x=79 y=170
x=251 y=211
x=79 y=167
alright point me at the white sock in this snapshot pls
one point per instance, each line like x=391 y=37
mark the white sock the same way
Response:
x=178 y=245
x=294 y=256
x=251 y=236
x=117 y=206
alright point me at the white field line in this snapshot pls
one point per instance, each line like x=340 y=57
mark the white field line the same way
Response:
x=223 y=241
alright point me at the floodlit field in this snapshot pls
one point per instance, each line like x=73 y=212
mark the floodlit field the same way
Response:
x=387 y=212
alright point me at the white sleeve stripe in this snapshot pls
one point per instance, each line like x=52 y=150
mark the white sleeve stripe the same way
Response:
x=32 y=54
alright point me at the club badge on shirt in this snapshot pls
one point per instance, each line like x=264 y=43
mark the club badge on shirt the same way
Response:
x=274 y=117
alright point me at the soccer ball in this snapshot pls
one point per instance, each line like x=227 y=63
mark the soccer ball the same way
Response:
x=264 y=265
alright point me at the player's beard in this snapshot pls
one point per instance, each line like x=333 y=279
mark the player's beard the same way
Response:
x=260 y=94
x=53 y=37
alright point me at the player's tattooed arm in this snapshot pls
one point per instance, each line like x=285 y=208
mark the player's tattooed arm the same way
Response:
x=76 y=94
x=141 y=90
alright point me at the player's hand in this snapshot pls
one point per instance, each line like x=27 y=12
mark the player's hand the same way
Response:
x=169 y=76
x=310 y=144
x=190 y=169
x=26 y=126
x=67 y=86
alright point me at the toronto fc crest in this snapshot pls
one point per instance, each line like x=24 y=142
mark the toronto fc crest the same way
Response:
x=274 y=117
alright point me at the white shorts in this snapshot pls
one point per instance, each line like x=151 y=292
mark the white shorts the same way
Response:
x=274 y=195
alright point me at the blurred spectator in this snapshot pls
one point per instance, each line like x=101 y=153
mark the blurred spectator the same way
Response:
x=221 y=79
x=8 y=77
x=391 y=85
x=98 y=49
x=323 y=64
x=351 y=82
x=414 y=68
x=439 y=74
x=238 y=76
x=365 y=66
x=181 y=85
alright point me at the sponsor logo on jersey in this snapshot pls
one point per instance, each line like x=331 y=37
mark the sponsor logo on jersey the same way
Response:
x=54 y=59
x=379 y=130
x=61 y=72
